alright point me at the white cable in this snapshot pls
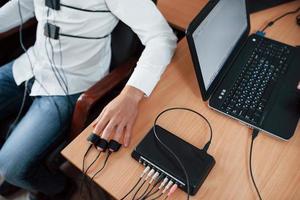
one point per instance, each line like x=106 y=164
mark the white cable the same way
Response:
x=163 y=183
x=170 y=183
x=154 y=177
x=152 y=171
x=145 y=171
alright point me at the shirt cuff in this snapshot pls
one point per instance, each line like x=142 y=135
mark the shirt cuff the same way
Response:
x=144 y=79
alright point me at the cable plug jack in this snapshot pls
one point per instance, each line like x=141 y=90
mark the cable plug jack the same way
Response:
x=172 y=190
x=146 y=170
x=163 y=183
x=152 y=171
x=170 y=183
x=154 y=177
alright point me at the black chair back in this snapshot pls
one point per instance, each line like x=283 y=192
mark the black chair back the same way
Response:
x=124 y=44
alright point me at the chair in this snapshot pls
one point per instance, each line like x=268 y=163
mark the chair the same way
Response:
x=125 y=52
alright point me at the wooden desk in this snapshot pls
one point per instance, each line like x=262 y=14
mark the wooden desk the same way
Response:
x=179 y=13
x=276 y=163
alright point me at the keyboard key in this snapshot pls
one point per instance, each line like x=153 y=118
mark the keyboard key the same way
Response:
x=268 y=91
x=254 y=85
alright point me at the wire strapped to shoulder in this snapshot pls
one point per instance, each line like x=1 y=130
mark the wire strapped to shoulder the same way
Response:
x=56 y=4
x=53 y=31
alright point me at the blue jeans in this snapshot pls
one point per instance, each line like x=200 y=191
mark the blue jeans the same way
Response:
x=42 y=126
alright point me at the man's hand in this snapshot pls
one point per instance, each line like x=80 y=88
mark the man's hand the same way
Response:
x=298 y=87
x=117 y=118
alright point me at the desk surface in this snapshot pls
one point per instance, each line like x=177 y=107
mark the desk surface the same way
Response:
x=179 y=13
x=276 y=163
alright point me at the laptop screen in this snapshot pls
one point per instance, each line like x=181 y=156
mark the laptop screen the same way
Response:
x=217 y=35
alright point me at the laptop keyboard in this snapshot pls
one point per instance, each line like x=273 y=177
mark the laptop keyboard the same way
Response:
x=252 y=89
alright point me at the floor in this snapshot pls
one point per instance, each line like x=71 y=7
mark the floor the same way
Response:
x=97 y=193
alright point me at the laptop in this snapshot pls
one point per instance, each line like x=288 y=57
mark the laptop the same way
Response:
x=250 y=78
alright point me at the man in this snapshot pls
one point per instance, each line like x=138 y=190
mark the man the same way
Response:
x=57 y=71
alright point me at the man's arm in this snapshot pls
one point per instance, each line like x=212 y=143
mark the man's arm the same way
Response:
x=147 y=22
x=10 y=16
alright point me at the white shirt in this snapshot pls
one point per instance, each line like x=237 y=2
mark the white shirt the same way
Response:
x=84 y=62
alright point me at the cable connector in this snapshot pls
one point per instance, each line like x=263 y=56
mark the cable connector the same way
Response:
x=172 y=190
x=145 y=171
x=154 y=177
x=206 y=146
x=163 y=183
x=170 y=183
x=152 y=171
x=160 y=178
x=261 y=33
x=255 y=133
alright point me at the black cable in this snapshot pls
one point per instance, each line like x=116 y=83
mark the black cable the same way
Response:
x=85 y=155
x=151 y=194
x=85 y=10
x=61 y=63
x=87 y=169
x=271 y=23
x=139 y=188
x=142 y=195
x=84 y=175
x=30 y=62
x=170 y=150
x=87 y=183
x=53 y=67
x=254 y=135
x=61 y=79
x=148 y=194
x=84 y=37
x=83 y=170
x=103 y=166
x=132 y=189
x=157 y=197
x=52 y=62
x=206 y=146
x=91 y=179
x=58 y=76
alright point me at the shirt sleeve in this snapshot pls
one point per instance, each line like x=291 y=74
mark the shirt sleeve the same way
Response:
x=147 y=22
x=10 y=15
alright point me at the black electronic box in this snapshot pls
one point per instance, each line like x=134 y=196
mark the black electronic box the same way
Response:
x=197 y=162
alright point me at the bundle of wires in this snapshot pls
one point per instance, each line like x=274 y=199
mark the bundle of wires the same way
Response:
x=85 y=179
x=26 y=82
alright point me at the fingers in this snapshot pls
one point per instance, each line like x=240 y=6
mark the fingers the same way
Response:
x=101 y=123
x=127 y=136
x=298 y=87
x=118 y=135
x=106 y=128
x=119 y=132
x=99 y=117
x=109 y=130
x=116 y=120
